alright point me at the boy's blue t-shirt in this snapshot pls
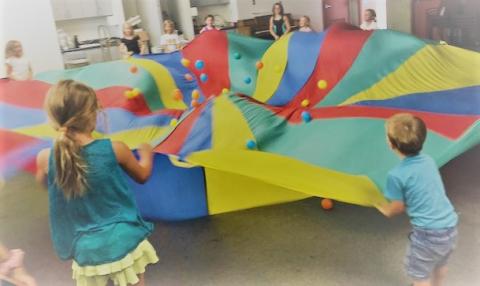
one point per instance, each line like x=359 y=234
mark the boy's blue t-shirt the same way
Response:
x=417 y=182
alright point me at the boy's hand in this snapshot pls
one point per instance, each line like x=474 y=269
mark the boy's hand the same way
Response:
x=381 y=208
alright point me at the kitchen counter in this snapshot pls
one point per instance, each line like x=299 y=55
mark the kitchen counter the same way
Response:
x=92 y=44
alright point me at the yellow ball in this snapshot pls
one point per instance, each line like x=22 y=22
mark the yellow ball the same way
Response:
x=129 y=94
x=225 y=90
x=322 y=84
x=136 y=92
x=277 y=69
x=132 y=93
x=305 y=102
x=185 y=62
x=173 y=122
x=195 y=94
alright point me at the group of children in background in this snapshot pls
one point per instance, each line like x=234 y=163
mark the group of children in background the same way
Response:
x=19 y=68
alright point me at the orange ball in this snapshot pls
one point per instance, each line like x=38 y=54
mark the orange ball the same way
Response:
x=133 y=69
x=195 y=94
x=327 y=204
x=177 y=94
x=259 y=65
x=194 y=103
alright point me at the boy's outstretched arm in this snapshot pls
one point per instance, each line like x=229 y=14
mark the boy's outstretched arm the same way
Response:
x=392 y=208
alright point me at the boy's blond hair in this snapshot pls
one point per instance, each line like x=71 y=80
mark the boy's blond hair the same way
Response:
x=406 y=133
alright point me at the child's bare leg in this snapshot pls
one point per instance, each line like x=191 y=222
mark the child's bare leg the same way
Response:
x=422 y=283
x=439 y=275
x=3 y=252
x=142 y=280
x=20 y=275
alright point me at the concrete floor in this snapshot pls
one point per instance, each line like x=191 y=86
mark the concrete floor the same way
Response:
x=290 y=244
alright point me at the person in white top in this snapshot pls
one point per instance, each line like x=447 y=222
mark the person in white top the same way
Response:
x=304 y=24
x=18 y=67
x=369 y=20
x=170 y=41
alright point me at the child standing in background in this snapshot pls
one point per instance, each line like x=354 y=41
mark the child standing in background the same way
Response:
x=304 y=24
x=130 y=42
x=279 y=23
x=18 y=67
x=209 y=24
x=170 y=41
x=93 y=215
x=369 y=20
x=416 y=185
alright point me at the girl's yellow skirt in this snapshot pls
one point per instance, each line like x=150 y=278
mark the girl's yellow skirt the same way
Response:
x=122 y=272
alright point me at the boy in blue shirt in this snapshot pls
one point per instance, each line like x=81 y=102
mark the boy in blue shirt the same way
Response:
x=415 y=185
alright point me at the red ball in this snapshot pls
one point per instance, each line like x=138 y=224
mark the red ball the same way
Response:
x=133 y=69
x=259 y=65
x=194 y=103
x=327 y=204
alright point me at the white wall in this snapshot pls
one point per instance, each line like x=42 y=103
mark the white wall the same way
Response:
x=130 y=8
x=87 y=28
x=246 y=10
x=310 y=8
x=180 y=12
x=380 y=7
x=150 y=12
x=399 y=15
x=219 y=11
x=31 y=22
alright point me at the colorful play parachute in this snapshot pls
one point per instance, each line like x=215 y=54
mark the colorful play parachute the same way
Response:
x=239 y=122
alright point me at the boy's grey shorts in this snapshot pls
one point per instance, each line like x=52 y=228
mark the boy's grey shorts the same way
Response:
x=429 y=249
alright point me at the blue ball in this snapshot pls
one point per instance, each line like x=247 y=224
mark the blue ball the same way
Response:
x=251 y=144
x=248 y=80
x=306 y=116
x=237 y=56
x=203 y=77
x=199 y=64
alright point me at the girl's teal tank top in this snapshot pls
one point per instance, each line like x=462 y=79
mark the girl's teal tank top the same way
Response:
x=103 y=225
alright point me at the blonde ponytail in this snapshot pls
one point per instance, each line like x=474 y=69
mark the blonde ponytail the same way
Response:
x=71 y=168
x=72 y=108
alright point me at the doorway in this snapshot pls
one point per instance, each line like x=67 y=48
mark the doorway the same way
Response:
x=343 y=11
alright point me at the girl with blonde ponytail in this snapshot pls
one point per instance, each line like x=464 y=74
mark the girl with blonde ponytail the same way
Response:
x=90 y=204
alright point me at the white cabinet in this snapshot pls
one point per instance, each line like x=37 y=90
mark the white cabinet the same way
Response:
x=200 y=3
x=104 y=7
x=77 y=9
